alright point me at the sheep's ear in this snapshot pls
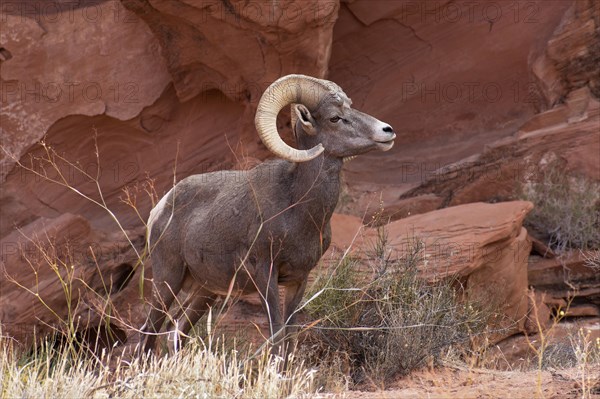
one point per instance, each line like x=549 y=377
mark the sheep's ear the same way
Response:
x=305 y=118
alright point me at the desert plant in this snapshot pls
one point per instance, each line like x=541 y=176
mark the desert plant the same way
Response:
x=567 y=208
x=578 y=357
x=558 y=355
x=547 y=354
x=592 y=260
x=392 y=322
x=587 y=354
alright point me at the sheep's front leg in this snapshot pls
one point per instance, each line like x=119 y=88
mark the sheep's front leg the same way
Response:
x=266 y=282
x=293 y=296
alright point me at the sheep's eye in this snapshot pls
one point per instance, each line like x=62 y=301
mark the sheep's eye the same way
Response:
x=335 y=119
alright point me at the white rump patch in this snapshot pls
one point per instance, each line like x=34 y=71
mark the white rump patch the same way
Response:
x=155 y=213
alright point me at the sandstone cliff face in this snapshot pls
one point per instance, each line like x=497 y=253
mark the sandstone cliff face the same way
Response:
x=63 y=61
x=544 y=78
x=450 y=77
x=164 y=84
x=136 y=93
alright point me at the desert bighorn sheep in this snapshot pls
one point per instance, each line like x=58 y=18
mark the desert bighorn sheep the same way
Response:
x=249 y=231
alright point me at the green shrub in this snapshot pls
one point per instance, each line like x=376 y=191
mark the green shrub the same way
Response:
x=391 y=323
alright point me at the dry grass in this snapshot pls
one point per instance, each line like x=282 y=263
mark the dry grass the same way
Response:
x=53 y=370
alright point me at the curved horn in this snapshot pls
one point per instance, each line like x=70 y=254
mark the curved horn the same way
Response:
x=284 y=91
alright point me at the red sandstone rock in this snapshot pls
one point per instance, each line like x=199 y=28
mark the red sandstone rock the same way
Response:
x=565 y=277
x=100 y=60
x=437 y=72
x=481 y=243
x=239 y=47
x=497 y=172
x=540 y=248
x=435 y=141
x=539 y=313
x=90 y=265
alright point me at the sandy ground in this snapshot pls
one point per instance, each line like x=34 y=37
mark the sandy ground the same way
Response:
x=478 y=383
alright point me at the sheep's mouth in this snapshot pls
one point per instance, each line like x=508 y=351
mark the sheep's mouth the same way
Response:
x=387 y=144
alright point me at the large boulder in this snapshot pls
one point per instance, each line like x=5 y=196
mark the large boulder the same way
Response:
x=484 y=245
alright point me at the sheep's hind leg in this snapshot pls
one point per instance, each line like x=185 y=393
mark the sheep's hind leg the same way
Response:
x=192 y=310
x=167 y=284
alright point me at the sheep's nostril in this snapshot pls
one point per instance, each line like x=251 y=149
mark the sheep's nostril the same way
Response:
x=388 y=129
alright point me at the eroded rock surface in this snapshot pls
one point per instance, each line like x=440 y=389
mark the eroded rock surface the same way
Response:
x=58 y=272
x=484 y=245
x=71 y=60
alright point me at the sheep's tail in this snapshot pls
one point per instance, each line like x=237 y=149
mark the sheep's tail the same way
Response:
x=154 y=214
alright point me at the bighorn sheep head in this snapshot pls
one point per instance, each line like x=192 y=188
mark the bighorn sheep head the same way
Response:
x=320 y=109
